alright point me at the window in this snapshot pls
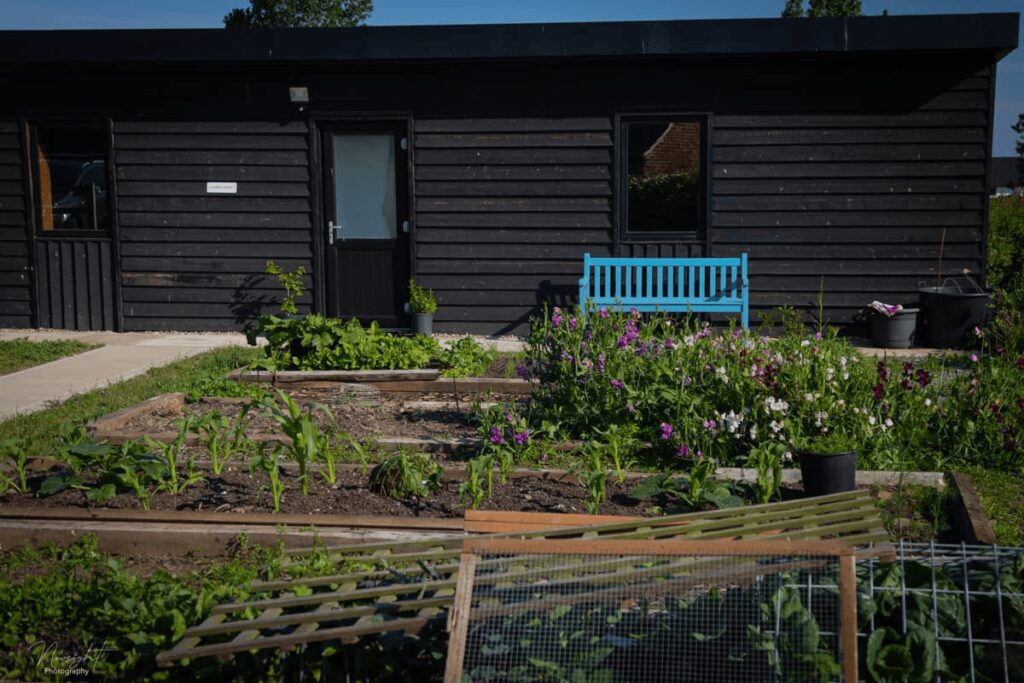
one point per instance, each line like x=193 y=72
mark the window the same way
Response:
x=70 y=177
x=663 y=176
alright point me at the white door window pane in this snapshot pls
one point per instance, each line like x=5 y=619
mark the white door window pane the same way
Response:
x=364 y=186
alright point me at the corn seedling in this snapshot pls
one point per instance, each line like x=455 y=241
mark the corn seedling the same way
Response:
x=169 y=454
x=594 y=477
x=271 y=467
x=16 y=458
x=221 y=437
x=479 y=483
x=306 y=442
x=405 y=475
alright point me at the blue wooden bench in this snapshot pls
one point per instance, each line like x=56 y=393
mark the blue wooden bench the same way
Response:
x=698 y=285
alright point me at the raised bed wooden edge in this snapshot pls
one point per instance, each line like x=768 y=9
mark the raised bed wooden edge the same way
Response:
x=969 y=516
x=388 y=381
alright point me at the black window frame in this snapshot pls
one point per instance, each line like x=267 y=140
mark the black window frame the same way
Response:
x=107 y=128
x=697 y=234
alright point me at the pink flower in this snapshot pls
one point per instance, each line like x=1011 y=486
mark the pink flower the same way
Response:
x=572 y=324
x=603 y=313
x=495 y=437
x=666 y=431
x=522 y=437
x=974 y=358
x=617 y=383
x=683 y=450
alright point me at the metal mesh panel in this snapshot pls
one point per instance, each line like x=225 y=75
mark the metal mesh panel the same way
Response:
x=650 y=613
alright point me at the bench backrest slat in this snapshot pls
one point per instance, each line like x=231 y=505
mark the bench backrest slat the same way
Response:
x=675 y=284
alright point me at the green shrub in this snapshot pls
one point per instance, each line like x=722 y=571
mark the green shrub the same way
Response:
x=466 y=358
x=316 y=342
x=291 y=283
x=1006 y=250
x=421 y=300
x=406 y=475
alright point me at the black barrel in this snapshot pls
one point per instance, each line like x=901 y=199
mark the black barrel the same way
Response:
x=948 y=316
x=825 y=473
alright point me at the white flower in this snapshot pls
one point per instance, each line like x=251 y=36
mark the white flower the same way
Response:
x=787 y=456
x=830 y=372
x=808 y=397
x=776 y=427
x=846 y=375
x=820 y=417
x=841 y=402
x=805 y=342
x=753 y=432
x=871 y=420
x=888 y=422
x=731 y=421
x=928 y=402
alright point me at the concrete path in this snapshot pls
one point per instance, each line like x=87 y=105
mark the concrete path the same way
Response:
x=121 y=357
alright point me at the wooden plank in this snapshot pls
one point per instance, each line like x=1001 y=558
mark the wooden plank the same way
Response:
x=838 y=202
x=206 y=204
x=848 y=615
x=500 y=188
x=201 y=141
x=851 y=169
x=138 y=188
x=845 y=136
x=428 y=125
x=513 y=220
x=497 y=171
x=206 y=172
x=458 y=616
x=969 y=516
x=807 y=153
x=517 y=204
x=847 y=186
x=483 y=156
x=215 y=220
x=239 y=157
x=183 y=127
x=370 y=376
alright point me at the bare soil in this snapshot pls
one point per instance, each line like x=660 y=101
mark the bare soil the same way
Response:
x=238 y=491
x=360 y=417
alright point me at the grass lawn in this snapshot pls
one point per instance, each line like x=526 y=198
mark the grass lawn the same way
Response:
x=41 y=432
x=18 y=354
x=1002 y=496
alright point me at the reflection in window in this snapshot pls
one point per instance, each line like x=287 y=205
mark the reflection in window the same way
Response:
x=665 y=175
x=71 y=176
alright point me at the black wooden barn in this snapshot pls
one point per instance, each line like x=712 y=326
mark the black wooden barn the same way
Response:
x=146 y=177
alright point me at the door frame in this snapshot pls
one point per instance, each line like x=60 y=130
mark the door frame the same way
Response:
x=320 y=123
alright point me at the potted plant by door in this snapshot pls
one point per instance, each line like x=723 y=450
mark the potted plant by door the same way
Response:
x=828 y=463
x=423 y=304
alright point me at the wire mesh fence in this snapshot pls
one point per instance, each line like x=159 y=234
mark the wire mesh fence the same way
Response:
x=705 y=611
x=938 y=612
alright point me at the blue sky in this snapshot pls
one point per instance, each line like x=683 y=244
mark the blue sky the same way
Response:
x=65 y=14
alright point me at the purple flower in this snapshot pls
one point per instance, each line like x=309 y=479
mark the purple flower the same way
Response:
x=683 y=450
x=666 y=431
x=617 y=383
x=510 y=418
x=710 y=425
x=736 y=334
x=556 y=320
x=521 y=437
x=603 y=313
x=522 y=372
x=1020 y=403
x=630 y=408
x=974 y=358
x=495 y=437
x=572 y=324
x=600 y=362
x=879 y=391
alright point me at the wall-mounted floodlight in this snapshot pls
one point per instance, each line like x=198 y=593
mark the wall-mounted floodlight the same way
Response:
x=299 y=96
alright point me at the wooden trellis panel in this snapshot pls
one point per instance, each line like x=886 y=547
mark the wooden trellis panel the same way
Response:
x=420 y=576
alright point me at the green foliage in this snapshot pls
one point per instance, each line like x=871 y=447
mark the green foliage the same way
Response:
x=170 y=453
x=479 y=483
x=591 y=472
x=45 y=431
x=307 y=442
x=466 y=358
x=421 y=300
x=1006 y=251
x=316 y=342
x=291 y=283
x=270 y=466
x=1002 y=497
x=822 y=8
x=18 y=354
x=766 y=461
x=695 y=491
x=620 y=443
x=790 y=320
x=210 y=385
x=406 y=475
x=663 y=200
x=684 y=388
x=222 y=437
x=832 y=442
x=14 y=457
x=300 y=13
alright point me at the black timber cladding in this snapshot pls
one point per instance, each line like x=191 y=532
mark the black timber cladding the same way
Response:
x=15 y=254
x=848 y=166
x=505 y=209
x=195 y=260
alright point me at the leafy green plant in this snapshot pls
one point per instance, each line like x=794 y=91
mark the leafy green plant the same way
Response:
x=766 y=461
x=316 y=342
x=14 y=455
x=170 y=454
x=833 y=442
x=222 y=437
x=465 y=357
x=694 y=491
x=479 y=483
x=619 y=442
x=307 y=442
x=406 y=475
x=207 y=385
x=591 y=472
x=292 y=284
x=270 y=465
x=421 y=300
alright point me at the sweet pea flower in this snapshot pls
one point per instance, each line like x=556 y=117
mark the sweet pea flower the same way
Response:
x=974 y=358
x=666 y=431
x=603 y=313
x=572 y=324
x=617 y=384
x=522 y=372
x=556 y=320
x=683 y=450
x=521 y=438
x=495 y=437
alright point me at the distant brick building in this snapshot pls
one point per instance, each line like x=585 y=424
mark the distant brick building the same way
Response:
x=678 y=149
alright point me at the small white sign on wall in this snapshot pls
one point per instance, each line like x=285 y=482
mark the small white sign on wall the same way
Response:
x=221 y=188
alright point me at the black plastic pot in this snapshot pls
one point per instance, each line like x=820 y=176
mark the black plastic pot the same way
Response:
x=423 y=323
x=825 y=473
x=896 y=331
x=949 y=316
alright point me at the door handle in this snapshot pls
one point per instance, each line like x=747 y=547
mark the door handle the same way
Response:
x=333 y=232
